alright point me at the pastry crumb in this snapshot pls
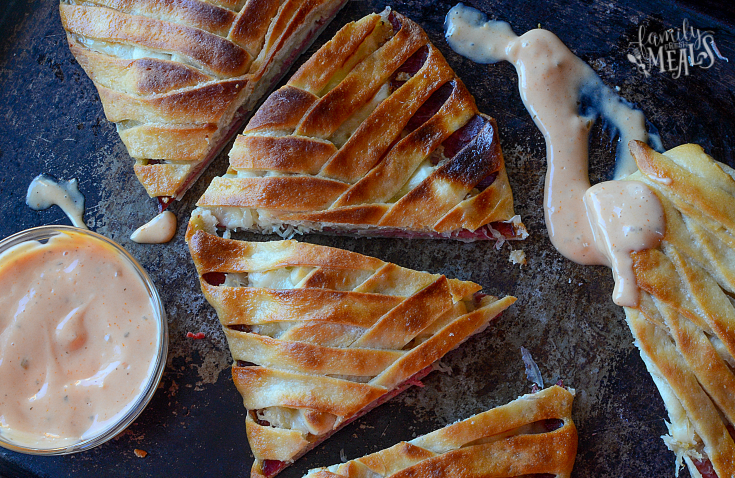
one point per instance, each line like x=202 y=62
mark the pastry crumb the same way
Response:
x=518 y=257
x=140 y=453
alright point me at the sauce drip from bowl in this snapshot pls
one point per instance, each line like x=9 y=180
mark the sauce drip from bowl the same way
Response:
x=45 y=191
x=552 y=83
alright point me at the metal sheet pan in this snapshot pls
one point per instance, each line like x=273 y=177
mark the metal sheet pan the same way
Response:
x=52 y=121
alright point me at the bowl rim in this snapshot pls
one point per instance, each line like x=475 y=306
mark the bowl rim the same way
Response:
x=41 y=233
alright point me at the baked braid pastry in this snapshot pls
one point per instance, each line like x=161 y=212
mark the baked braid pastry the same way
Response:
x=179 y=77
x=319 y=336
x=684 y=324
x=374 y=135
x=533 y=435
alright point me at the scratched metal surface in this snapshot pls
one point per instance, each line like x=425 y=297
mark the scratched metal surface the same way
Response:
x=51 y=120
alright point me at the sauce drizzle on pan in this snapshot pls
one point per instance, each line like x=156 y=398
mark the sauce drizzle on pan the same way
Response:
x=592 y=226
x=45 y=191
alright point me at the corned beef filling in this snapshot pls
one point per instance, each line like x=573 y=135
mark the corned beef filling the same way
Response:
x=482 y=233
x=430 y=106
x=409 y=68
x=272 y=467
x=460 y=138
x=705 y=468
x=214 y=278
x=551 y=424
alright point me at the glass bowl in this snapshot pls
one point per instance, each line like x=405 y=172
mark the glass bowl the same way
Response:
x=19 y=442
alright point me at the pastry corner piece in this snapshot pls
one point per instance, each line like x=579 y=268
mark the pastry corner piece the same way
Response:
x=180 y=78
x=684 y=324
x=319 y=336
x=374 y=135
x=533 y=435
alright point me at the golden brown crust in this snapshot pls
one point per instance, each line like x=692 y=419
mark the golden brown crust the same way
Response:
x=266 y=153
x=325 y=333
x=502 y=442
x=200 y=105
x=142 y=76
x=375 y=135
x=165 y=141
x=194 y=13
x=284 y=193
x=449 y=184
x=349 y=115
x=250 y=27
x=282 y=110
x=314 y=75
x=189 y=63
x=207 y=50
x=685 y=322
x=162 y=179
x=361 y=83
x=387 y=178
x=244 y=305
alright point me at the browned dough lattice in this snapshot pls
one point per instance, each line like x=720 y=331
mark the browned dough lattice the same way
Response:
x=320 y=335
x=375 y=135
x=179 y=77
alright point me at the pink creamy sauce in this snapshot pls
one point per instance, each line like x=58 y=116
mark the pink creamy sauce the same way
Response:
x=591 y=226
x=78 y=340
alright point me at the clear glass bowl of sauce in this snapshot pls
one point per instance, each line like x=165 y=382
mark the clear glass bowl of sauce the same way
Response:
x=83 y=340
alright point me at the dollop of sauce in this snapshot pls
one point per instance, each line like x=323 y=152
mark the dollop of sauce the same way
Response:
x=158 y=230
x=625 y=216
x=45 y=191
x=78 y=340
x=564 y=97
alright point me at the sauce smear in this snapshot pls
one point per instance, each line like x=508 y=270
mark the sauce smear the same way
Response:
x=45 y=191
x=553 y=84
x=78 y=340
x=158 y=230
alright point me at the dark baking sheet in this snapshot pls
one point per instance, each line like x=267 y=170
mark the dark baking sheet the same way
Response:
x=52 y=121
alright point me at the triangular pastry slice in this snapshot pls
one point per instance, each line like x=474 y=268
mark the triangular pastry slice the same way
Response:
x=373 y=135
x=533 y=435
x=179 y=78
x=319 y=336
x=684 y=324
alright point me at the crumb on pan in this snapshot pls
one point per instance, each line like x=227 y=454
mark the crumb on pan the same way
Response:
x=518 y=257
x=140 y=453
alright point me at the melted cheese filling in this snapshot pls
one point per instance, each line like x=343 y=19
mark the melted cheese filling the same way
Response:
x=348 y=128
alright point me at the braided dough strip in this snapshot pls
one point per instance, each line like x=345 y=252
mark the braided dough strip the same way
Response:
x=507 y=441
